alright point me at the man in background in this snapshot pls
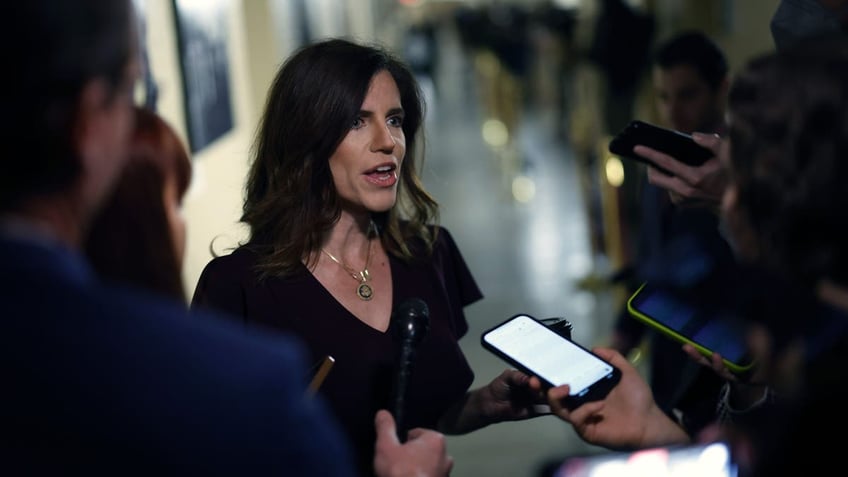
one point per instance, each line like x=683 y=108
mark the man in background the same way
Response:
x=690 y=82
x=793 y=21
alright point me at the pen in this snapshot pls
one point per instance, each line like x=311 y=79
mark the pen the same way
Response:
x=321 y=374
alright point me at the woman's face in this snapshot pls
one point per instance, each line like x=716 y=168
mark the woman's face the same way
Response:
x=366 y=165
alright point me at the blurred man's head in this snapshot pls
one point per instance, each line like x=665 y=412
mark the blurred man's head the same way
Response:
x=786 y=199
x=690 y=77
x=67 y=100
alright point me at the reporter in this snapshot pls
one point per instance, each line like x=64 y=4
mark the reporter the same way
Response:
x=690 y=82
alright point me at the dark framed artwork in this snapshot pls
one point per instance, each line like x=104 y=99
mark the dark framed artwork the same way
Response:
x=147 y=90
x=202 y=38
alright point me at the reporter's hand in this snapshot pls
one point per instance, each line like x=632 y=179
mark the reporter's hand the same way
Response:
x=627 y=418
x=759 y=350
x=701 y=186
x=714 y=362
x=423 y=455
x=748 y=388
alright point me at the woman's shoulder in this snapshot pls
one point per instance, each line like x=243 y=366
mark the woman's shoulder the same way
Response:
x=224 y=279
x=237 y=262
x=444 y=239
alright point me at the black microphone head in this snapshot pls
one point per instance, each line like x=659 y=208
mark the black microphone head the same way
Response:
x=411 y=320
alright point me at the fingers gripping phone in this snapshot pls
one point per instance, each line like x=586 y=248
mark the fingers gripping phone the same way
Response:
x=535 y=349
x=708 y=331
x=674 y=143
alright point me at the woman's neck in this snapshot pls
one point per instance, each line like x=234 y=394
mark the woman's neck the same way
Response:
x=349 y=234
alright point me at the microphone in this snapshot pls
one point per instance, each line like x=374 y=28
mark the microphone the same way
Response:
x=409 y=324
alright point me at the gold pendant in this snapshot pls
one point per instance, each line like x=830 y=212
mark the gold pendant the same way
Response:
x=364 y=291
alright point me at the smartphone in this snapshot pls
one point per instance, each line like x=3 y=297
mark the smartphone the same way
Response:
x=537 y=350
x=715 y=330
x=676 y=144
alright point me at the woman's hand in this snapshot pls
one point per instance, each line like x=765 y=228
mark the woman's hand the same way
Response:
x=509 y=397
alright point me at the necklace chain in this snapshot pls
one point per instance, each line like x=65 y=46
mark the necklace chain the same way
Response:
x=361 y=275
x=364 y=291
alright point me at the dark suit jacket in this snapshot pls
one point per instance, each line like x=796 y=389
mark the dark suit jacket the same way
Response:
x=106 y=380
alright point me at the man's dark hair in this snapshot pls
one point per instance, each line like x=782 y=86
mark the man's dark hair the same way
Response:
x=695 y=49
x=51 y=50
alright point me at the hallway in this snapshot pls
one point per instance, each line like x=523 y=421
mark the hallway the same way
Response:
x=526 y=258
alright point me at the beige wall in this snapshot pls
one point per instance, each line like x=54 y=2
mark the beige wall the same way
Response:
x=212 y=205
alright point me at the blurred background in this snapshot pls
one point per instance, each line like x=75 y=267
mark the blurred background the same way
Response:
x=522 y=96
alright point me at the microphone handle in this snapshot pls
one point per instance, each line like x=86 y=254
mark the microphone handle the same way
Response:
x=407 y=353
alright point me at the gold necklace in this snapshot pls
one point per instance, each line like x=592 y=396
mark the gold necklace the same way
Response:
x=363 y=290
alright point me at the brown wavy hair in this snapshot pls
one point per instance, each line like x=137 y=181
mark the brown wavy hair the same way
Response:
x=291 y=201
x=130 y=240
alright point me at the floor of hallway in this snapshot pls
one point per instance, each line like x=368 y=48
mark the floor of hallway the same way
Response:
x=526 y=257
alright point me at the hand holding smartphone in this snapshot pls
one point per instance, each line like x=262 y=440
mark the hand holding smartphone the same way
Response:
x=535 y=349
x=674 y=143
x=707 y=330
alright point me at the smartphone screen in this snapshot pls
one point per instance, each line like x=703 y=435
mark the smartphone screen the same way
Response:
x=709 y=331
x=705 y=460
x=534 y=348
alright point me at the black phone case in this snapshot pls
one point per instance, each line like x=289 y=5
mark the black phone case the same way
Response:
x=596 y=392
x=674 y=143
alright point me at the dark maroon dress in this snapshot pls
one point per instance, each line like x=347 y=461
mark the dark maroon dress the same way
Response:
x=361 y=380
